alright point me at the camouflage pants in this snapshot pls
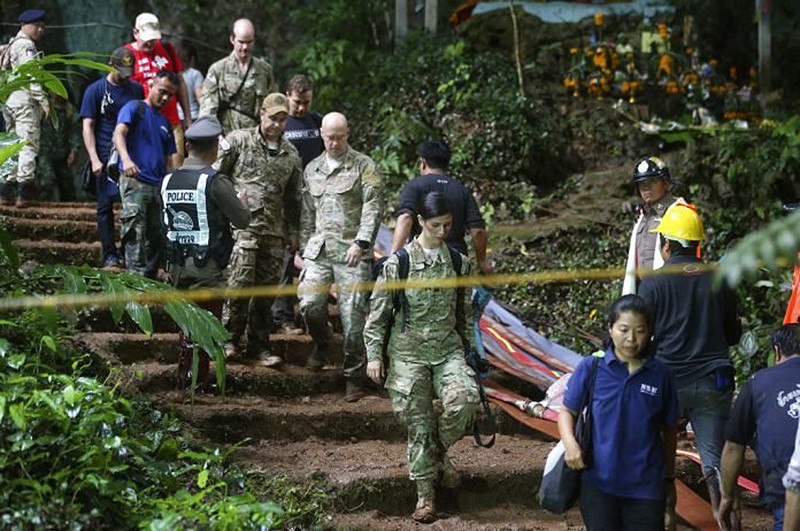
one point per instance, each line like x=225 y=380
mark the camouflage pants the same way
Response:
x=23 y=117
x=412 y=388
x=315 y=281
x=255 y=261
x=142 y=236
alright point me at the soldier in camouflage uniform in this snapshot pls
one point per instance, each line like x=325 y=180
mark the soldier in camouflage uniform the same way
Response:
x=236 y=85
x=61 y=142
x=426 y=352
x=24 y=109
x=265 y=165
x=342 y=209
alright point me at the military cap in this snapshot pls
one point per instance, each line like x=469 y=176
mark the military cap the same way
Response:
x=275 y=103
x=29 y=16
x=204 y=129
x=122 y=59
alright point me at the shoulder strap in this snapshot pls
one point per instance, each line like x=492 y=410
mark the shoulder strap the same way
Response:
x=171 y=51
x=400 y=302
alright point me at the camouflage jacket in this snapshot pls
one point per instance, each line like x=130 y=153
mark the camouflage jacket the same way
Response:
x=432 y=330
x=219 y=88
x=340 y=205
x=272 y=182
x=22 y=49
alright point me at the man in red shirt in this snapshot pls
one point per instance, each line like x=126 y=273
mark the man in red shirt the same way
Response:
x=153 y=54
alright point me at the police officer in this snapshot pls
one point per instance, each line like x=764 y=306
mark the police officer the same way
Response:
x=24 y=109
x=199 y=205
x=426 y=350
x=652 y=180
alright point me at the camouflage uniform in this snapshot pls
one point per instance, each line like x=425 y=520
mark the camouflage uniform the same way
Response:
x=23 y=112
x=426 y=360
x=60 y=137
x=223 y=80
x=142 y=236
x=340 y=206
x=273 y=188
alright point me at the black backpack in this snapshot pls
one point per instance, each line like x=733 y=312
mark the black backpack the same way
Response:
x=400 y=304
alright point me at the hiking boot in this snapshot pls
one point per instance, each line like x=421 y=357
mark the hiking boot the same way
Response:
x=448 y=475
x=353 y=392
x=425 y=512
x=289 y=329
x=25 y=194
x=265 y=358
x=317 y=360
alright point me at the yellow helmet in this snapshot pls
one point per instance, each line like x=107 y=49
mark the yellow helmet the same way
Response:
x=681 y=222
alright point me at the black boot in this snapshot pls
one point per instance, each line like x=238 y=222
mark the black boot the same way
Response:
x=8 y=192
x=25 y=194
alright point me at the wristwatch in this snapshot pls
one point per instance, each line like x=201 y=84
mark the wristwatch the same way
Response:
x=363 y=244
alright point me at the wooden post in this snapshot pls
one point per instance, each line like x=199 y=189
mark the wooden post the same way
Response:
x=763 y=11
x=400 y=19
x=431 y=15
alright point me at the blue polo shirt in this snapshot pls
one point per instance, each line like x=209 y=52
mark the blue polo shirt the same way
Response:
x=149 y=141
x=629 y=411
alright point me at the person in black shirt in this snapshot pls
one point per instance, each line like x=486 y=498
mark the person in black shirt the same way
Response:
x=434 y=160
x=302 y=130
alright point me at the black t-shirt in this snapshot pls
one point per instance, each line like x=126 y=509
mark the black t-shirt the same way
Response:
x=465 y=209
x=304 y=134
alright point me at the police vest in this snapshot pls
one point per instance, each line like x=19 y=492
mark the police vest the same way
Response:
x=194 y=225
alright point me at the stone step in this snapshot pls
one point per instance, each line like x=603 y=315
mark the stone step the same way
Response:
x=500 y=517
x=52 y=252
x=326 y=416
x=62 y=230
x=234 y=417
x=127 y=348
x=242 y=380
x=373 y=475
x=55 y=211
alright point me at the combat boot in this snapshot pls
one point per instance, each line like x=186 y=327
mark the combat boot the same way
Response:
x=353 y=392
x=8 y=191
x=425 y=511
x=25 y=194
x=317 y=360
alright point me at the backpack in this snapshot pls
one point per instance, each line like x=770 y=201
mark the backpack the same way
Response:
x=5 y=54
x=473 y=358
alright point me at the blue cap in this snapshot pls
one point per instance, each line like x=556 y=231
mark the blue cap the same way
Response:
x=30 y=16
x=204 y=129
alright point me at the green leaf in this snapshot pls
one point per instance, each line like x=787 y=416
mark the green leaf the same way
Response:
x=141 y=316
x=4 y=347
x=2 y=408
x=50 y=343
x=9 y=249
x=15 y=361
x=113 y=286
x=202 y=478
x=17 y=413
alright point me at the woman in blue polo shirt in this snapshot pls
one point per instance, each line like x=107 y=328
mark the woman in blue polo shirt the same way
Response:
x=635 y=411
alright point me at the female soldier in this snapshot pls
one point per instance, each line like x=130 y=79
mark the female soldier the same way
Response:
x=634 y=411
x=426 y=349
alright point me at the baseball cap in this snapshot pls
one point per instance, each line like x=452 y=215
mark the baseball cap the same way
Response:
x=122 y=59
x=148 y=26
x=275 y=103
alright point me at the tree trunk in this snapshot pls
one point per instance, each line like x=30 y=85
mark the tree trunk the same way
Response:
x=763 y=11
x=431 y=15
x=400 y=19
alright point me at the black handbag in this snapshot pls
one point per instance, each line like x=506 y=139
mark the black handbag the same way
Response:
x=88 y=180
x=561 y=485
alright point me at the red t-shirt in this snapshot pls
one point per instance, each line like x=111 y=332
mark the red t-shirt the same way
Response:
x=148 y=64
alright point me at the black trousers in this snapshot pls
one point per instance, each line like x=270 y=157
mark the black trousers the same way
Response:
x=607 y=512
